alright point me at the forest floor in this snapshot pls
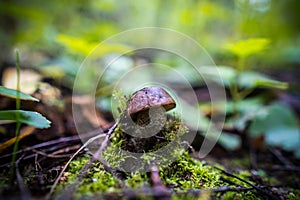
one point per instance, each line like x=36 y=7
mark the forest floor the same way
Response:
x=253 y=171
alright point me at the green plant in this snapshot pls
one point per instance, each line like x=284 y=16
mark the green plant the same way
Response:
x=255 y=115
x=18 y=115
x=244 y=49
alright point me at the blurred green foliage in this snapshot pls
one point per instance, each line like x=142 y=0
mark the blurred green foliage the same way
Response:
x=246 y=48
x=39 y=25
x=56 y=36
x=253 y=116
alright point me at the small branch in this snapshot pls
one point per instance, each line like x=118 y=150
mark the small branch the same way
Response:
x=54 y=154
x=52 y=145
x=97 y=155
x=159 y=190
x=82 y=173
x=66 y=150
x=64 y=140
x=223 y=189
x=149 y=192
x=257 y=188
x=67 y=164
x=285 y=168
x=281 y=158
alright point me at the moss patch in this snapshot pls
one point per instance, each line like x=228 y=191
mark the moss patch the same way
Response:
x=182 y=175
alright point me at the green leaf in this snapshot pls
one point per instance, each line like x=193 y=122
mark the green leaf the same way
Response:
x=82 y=46
x=277 y=116
x=230 y=141
x=77 y=45
x=27 y=117
x=268 y=83
x=222 y=75
x=286 y=137
x=245 y=48
x=13 y=94
x=246 y=106
x=252 y=79
x=246 y=79
x=280 y=127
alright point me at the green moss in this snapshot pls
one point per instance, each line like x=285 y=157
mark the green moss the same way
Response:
x=293 y=194
x=186 y=197
x=97 y=179
x=242 y=162
x=187 y=173
x=123 y=148
x=239 y=195
x=183 y=174
x=137 y=180
x=4 y=180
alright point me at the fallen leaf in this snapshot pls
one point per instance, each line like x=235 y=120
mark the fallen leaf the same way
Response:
x=24 y=133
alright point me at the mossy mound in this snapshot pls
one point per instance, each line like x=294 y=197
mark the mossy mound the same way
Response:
x=186 y=178
x=182 y=175
x=125 y=173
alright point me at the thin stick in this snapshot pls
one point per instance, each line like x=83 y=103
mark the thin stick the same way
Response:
x=257 y=188
x=54 y=155
x=280 y=157
x=159 y=190
x=67 y=164
x=57 y=141
x=88 y=165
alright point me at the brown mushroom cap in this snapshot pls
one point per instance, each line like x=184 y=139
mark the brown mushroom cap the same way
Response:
x=150 y=97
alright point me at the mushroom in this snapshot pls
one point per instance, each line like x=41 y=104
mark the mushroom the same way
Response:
x=148 y=98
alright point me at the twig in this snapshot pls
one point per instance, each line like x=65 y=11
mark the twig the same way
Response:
x=222 y=189
x=57 y=141
x=281 y=158
x=148 y=192
x=97 y=156
x=53 y=155
x=66 y=150
x=67 y=164
x=60 y=143
x=238 y=185
x=89 y=164
x=230 y=182
x=160 y=191
x=36 y=163
x=230 y=189
x=285 y=168
x=258 y=189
